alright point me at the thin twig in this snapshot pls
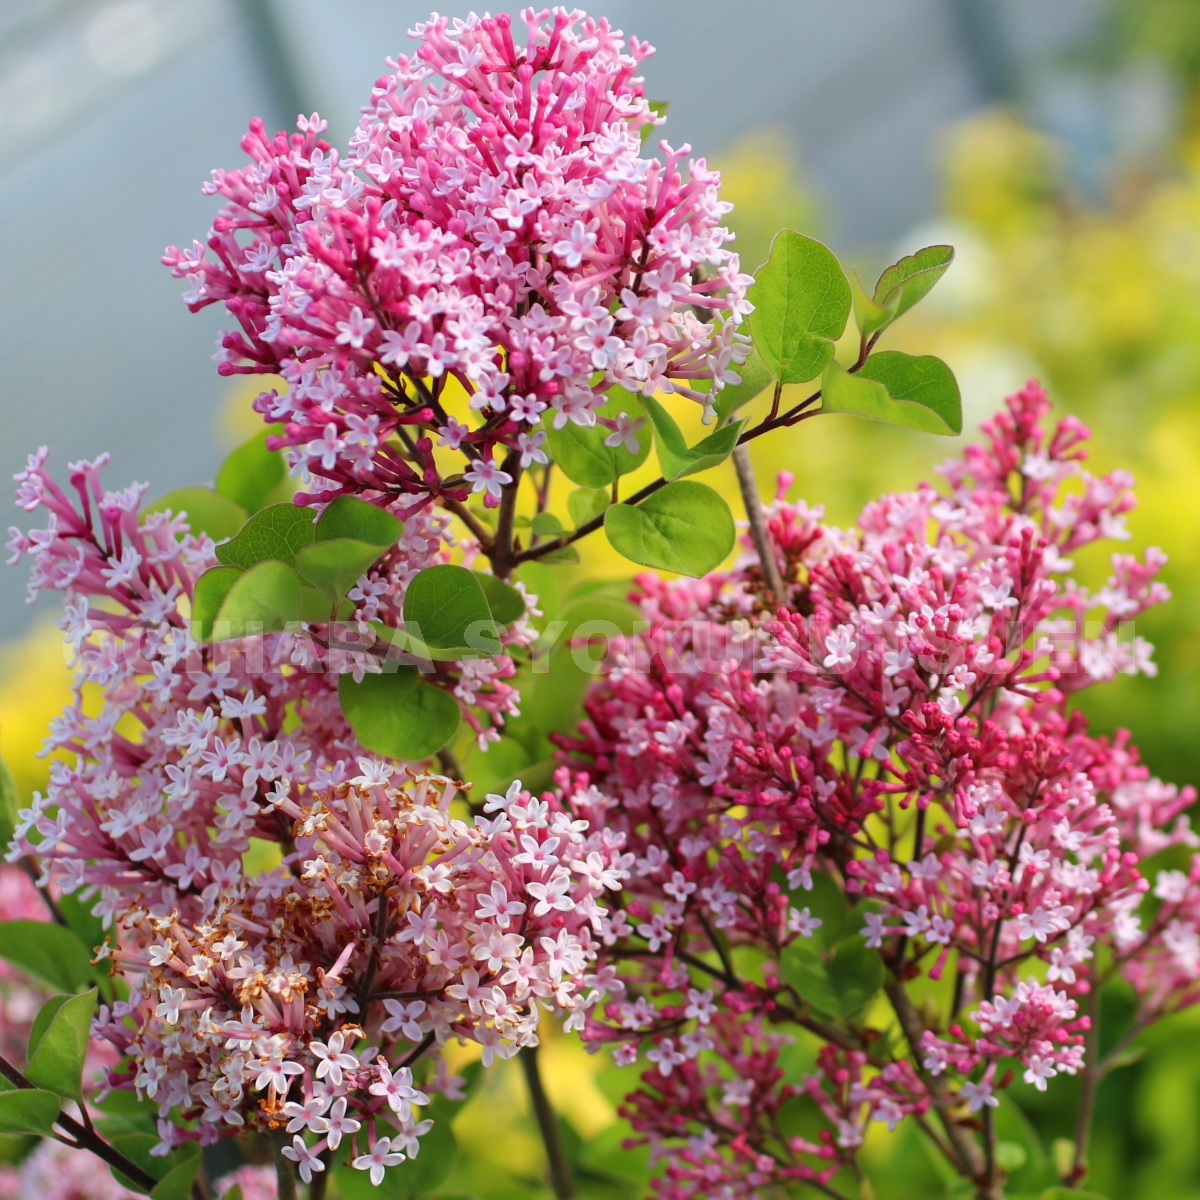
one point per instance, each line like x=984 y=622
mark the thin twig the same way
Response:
x=1093 y=1072
x=85 y=1138
x=562 y=1178
x=758 y=525
x=285 y=1172
x=966 y=1149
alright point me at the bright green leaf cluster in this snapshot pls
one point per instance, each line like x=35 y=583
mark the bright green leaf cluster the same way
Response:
x=281 y=568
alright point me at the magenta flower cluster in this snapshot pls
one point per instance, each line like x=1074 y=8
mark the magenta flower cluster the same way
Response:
x=897 y=735
x=493 y=223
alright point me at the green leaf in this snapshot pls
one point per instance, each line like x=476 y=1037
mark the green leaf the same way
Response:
x=562 y=554
x=674 y=455
x=336 y=566
x=249 y=474
x=586 y=504
x=581 y=453
x=9 y=804
x=801 y=304
x=839 y=982
x=398 y=714
x=445 y=606
x=870 y=317
x=827 y=902
x=684 y=527
x=506 y=603
x=414 y=1176
x=912 y=278
x=540 y=581
x=546 y=524
x=1062 y=1193
x=756 y=378
x=41 y=1022
x=49 y=953
x=136 y=1147
x=80 y=919
x=901 y=389
x=234 y=1193
x=556 y=697
x=176 y=1184
x=56 y=1057
x=28 y=1110
x=264 y=599
x=659 y=108
x=277 y=531
x=601 y=613
x=207 y=511
x=350 y=517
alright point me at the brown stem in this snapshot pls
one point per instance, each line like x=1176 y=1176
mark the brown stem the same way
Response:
x=562 y=1178
x=758 y=525
x=481 y=533
x=793 y=416
x=285 y=1173
x=501 y=554
x=1093 y=1072
x=85 y=1138
x=966 y=1149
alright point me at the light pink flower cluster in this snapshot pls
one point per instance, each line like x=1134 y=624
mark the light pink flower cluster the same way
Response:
x=300 y=927
x=57 y=1172
x=891 y=753
x=494 y=223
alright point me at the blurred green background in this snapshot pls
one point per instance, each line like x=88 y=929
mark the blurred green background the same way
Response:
x=1078 y=263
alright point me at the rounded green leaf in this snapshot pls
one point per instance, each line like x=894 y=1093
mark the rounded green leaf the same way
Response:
x=921 y=380
x=586 y=504
x=176 y=1184
x=398 y=714
x=911 y=279
x=413 y=1177
x=9 y=803
x=546 y=524
x=28 y=1110
x=675 y=457
x=250 y=473
x=56 y=1058
x=684 y=527
x=838 y=983
x=207 y=511
x=350 y=517
x=264 y=599
x=755 y=379
x=901 y=389
x=506 y=603
x=581 y=454
x=277 y=531
x=51 y=954
x=801 y=304
x=870 y=316
x=336 y=566
x=446 y=608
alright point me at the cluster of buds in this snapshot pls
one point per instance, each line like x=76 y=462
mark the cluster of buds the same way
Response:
x=492 y=226
x=890 y=753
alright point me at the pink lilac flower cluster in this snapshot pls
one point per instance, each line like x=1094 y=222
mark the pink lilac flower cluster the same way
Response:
x=897 y=734
x=302 y=987
x=493 y=223
x=57 y=1172
x=257 y=1183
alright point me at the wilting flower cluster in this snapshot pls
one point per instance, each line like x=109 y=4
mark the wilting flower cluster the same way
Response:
x=300 y=927
x=493 y=224
x=887 y=763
